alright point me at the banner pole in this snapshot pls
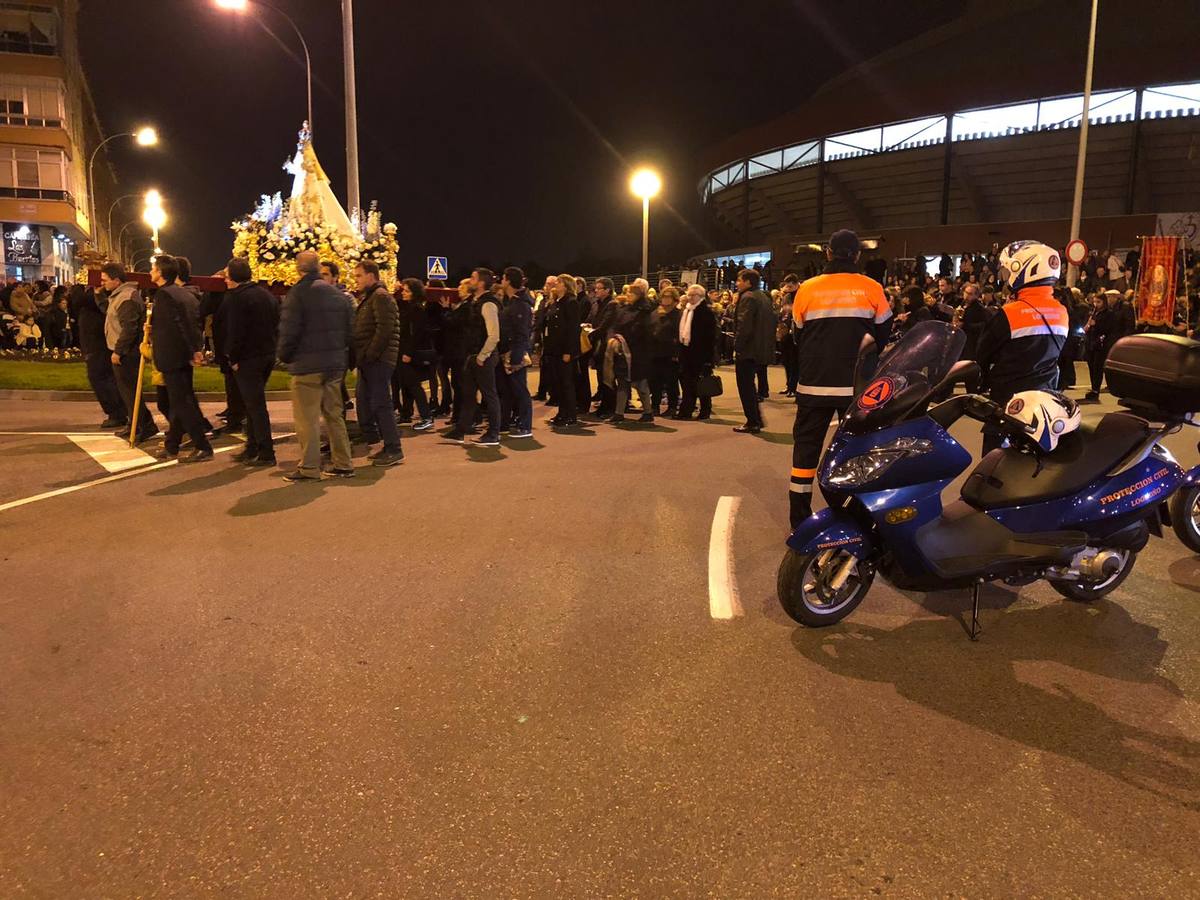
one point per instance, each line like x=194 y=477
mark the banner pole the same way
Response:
x=137 y=390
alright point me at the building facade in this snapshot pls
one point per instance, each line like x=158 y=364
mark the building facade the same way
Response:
x=48 y=129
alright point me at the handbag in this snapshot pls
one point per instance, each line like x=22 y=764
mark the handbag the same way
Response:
x=709 y=386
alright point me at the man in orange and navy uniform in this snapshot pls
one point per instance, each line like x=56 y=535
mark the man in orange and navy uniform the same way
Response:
x=1019 y=348
x=833 y=312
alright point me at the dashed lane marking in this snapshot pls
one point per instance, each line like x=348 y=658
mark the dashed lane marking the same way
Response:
x=723 y=602
x=107 y=479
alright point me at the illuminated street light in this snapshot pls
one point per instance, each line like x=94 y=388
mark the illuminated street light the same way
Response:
x=153 y=198
x=145 y=137
x=645 y=184
x=154 y=215
x=242 y=6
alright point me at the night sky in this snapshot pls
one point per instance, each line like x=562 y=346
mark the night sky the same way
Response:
x=489 y=132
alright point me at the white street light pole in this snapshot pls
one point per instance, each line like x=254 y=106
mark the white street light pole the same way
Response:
x=1081 y=162
x=146 y=137
x=352 y=192
x=110 y=212
x=645 y=183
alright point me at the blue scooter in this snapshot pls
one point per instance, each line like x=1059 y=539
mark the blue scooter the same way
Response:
x=1076 y=517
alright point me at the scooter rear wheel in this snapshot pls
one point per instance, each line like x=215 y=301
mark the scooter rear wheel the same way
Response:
x=1185 y=517
x=806 y=591
x=1087 y=591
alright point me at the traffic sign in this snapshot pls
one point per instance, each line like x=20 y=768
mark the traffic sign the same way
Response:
x=436 y=268
x=1076 y=252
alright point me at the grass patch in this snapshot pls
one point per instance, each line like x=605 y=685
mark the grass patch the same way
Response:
x=35 y=375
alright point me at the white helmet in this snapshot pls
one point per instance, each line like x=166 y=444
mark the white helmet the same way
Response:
x=1029 y=263
x=1048 y=414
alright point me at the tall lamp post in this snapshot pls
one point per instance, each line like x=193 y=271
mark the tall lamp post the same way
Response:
x=1081 y=161
x=111 y=209
x=645 y=183
x=243 y=5
x=121 y=239
x=352 y=194
x=145 y=137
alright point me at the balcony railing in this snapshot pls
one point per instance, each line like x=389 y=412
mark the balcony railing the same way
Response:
x=19 y=193
x=30 y=121
x=16 y=42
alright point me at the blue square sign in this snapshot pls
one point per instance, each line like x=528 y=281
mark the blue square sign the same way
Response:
x=436 y=267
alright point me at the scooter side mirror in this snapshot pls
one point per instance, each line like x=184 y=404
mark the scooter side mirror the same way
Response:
x=965 y=371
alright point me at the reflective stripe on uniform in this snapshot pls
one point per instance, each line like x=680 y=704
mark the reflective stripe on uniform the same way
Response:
x=800 y=488
x=818 y=390
x=883 y=317
x=1036 y=330
x=840 y=312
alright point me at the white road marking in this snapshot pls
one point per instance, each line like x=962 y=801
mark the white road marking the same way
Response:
x=723 y=602
x=108 y=479
x=113 y=453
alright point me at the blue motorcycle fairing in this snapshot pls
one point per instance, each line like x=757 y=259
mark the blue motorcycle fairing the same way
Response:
x=1103 y=507
x=945 y=461
x=831 y=529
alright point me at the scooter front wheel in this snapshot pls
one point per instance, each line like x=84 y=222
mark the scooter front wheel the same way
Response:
x=1185 y=517
x=818 y=589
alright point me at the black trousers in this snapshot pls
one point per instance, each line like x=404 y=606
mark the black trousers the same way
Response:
x=764 y=389
x=549 y=377
x=747 y=373
x=184 y=408
x=235 y=407
x=439 y=385
x=482 y=380
x=664 y=382
x=808 y=439
x=453 y=400
x=412 y=390
x=1066 y=364
x=787 y=349
x=251 y=377
x=126 y=375
x=583 y=383
x=1096 y=368
x=567 y=390
x=104 y=385
x=689 y=377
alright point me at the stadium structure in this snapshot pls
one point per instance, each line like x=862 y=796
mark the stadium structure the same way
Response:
x=968 y=135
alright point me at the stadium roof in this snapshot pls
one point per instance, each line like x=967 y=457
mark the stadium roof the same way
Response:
x=994 y=53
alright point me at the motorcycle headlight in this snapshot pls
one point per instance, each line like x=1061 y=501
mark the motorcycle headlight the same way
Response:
x=860 y=470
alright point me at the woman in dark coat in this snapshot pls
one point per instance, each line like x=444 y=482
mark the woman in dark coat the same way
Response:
x=697 y=351
x=633 y=324
x=416 y=352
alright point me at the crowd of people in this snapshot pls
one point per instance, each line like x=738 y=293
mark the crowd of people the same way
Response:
x=464 y=357
x=35 y=317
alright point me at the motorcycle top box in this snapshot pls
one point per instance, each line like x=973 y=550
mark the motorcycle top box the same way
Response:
x=1161 y=371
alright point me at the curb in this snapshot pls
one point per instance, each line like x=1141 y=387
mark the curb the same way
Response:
x=85 y=396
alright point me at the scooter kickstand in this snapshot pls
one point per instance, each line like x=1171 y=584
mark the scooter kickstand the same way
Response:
x=975 y=629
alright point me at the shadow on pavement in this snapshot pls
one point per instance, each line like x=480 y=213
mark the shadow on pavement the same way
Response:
x=484 y=454
x=221 y=475
x=775 y=437
x=1185 y=573
x=524 y=445
x=646 y=427
x=293 y=496
x=934 y=666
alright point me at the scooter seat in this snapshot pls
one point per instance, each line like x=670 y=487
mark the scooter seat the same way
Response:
x=1011 y=477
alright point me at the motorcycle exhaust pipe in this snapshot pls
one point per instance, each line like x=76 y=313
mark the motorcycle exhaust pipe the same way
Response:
x=1103 y=565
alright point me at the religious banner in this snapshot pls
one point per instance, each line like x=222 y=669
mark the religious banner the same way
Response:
x=1155 y=302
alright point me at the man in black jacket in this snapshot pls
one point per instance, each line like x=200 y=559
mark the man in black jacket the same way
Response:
x=974 y=318
x=697 y=351
x=479 y=370
x=124 y=316
x=178 y=345
x=602 y=321
x=376 y=342
x=516 y=328
x=213 y=303
x=562 y=347
x=251 y=328
x=90 y=327
x=754 y=345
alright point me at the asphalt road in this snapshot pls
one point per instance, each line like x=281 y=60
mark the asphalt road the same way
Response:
x=495 y=674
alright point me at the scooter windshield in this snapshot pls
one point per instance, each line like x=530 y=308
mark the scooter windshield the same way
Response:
x=906 y=376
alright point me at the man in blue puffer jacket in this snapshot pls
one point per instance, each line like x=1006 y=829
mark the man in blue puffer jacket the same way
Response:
x=314 y=338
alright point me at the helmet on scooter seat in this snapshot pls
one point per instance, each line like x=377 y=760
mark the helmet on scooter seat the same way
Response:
x=1029 y=264
x=1048 y=415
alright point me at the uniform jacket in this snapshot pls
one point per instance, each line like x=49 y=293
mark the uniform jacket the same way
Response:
x=1020 y=346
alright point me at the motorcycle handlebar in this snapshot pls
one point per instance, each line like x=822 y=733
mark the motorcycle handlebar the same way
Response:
x=984 y=410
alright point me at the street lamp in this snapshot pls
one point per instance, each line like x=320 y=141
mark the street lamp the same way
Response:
x=1081 y=158
x=242 y=6
x=154 y=215
x=121 y=239
x=145 y=137
x=645 y=183
x=111 y=210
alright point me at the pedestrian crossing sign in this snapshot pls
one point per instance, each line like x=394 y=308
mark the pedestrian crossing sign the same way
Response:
x=435 y=268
